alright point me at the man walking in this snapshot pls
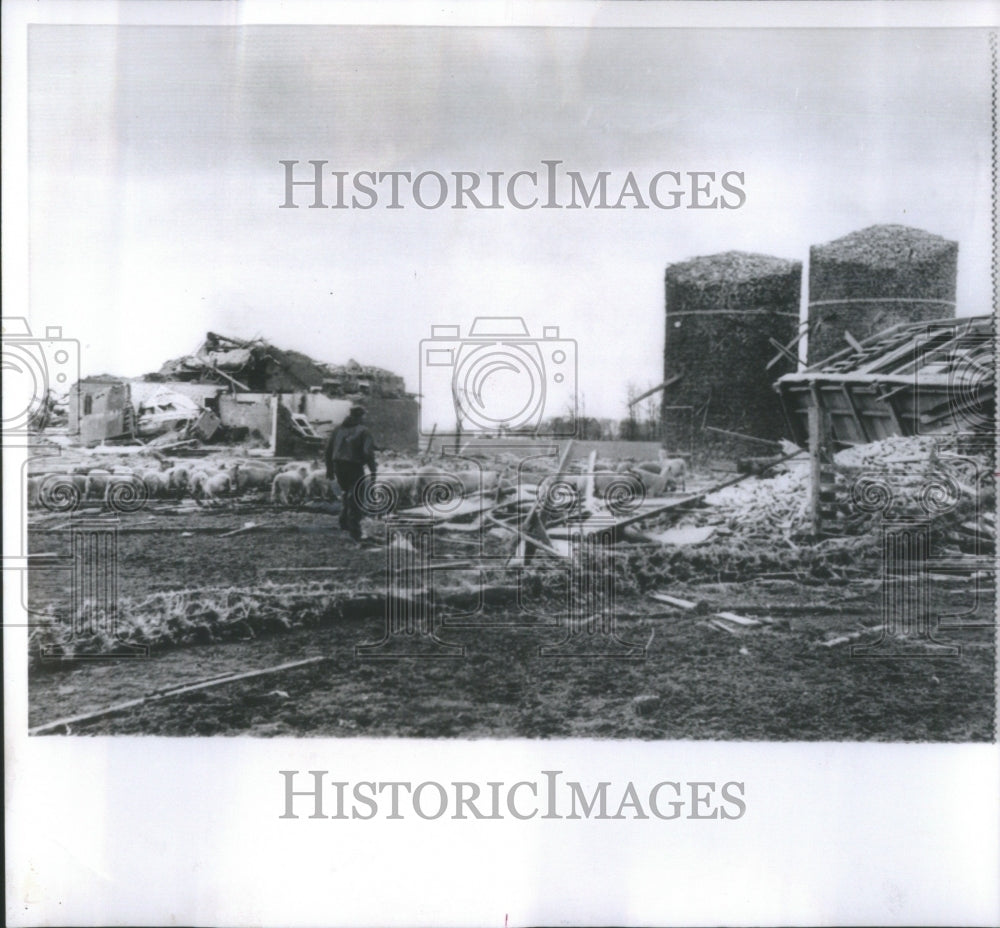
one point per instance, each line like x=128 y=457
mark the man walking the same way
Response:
x=349 y=449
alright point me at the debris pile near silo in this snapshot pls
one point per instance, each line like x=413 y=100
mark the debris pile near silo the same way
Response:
x=921 y=479
x=762 y=526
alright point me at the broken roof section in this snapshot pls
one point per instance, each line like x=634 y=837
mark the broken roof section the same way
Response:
x=256 y=366
x=911 y=379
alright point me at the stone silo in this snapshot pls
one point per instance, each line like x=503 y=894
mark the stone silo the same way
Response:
x=876 y=278
x=721 y=313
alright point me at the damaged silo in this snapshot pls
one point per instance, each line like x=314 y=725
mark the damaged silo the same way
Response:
x=721 y=313
x=875 y=278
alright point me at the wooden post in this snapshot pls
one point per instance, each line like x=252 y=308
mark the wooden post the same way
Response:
x=816 y=468
x=819 y=451
x=273 y=448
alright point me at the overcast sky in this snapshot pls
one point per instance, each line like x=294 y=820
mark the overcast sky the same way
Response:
x=155 y=183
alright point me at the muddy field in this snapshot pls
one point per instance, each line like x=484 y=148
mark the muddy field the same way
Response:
x=305 y=590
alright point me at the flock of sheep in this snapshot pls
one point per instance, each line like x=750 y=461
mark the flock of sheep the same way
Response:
x=123 y=487
x=399 y=484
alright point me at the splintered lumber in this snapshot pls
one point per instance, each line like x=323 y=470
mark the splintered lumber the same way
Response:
x=119 y=707
x=714 y=623
x=786 y=350
x=475 y=526
x=697 y=497
x=520 y=548
x=524 y=538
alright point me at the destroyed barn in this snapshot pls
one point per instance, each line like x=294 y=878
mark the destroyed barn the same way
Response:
x=231 y=391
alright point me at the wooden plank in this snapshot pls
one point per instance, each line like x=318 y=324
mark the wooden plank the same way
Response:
x=119 y=707
x=520 y=549
x=782 y=352
x=853 y=342
x=249 y=527
x=669 y=382
x=673 y=600
x=762 y=441
x=859 y=419
x=787 y=349
x=738 y=619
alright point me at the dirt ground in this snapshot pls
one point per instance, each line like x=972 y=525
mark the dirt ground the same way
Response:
x=777 y=680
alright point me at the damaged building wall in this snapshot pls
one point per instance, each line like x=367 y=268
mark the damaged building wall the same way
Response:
x=204 y=394
x=393 y=422
x=323 y=412
x=250 y=411
x=99 y=409
x=875 y=278
x=721 y=312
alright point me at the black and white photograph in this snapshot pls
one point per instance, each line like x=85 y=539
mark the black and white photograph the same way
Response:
x=585 y=417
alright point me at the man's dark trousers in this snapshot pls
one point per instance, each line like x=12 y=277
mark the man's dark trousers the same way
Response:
x=348 y=474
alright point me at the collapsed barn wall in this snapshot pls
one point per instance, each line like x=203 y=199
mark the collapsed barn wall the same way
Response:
x=875 y=278
x=393 y=422
x=250 y=411
x=721 y=312
x=204 y=394
x=99 y=409
x=323 y=412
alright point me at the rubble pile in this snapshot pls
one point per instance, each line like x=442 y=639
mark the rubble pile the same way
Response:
x=914 y=477
x=762 y=526
x=920 y=479
x=896 y=452
x=770 y=510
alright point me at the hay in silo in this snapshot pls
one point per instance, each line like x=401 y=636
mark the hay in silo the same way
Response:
x=876 y=278
x=721 y=311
